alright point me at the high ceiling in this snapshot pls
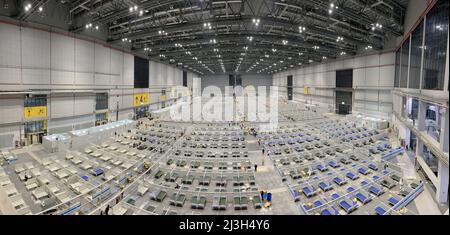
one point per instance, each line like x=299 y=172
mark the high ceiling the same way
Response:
x=261 y=36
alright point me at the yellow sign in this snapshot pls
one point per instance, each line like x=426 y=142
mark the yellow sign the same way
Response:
x=305 y=90
x=162 y=97
x=141 y=99
x=35 y=112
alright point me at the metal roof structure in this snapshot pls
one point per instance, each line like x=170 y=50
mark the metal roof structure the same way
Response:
x=217 y=36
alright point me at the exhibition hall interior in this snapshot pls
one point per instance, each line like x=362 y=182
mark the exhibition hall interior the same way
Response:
x=216 y=107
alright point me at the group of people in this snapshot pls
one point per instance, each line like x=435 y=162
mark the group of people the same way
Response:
x=266 y=196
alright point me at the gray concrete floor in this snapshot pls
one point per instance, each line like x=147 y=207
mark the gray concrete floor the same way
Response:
x=267 y=178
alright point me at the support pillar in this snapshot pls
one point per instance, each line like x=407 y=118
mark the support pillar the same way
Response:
x=442 y=187
x=444 y=131
x=421 y=116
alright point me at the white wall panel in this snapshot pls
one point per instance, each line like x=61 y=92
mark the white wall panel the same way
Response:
x=169 y=75
x=359 y=77
x=84 y=56
x=84 y=78
x=339 y=65
x=10 y=45
x=388 y=58
x=153 y=73
x=386 y=96
x=127 y=101
x=10 y=75
x=62 y=52
x=116 y=68
x=177 y=76
x=11 y=109
x=359 y=95
x=330 y=66
x=372 y=77
x=35 y=76
x=128 y=70
x=102 y=79
x=367 y=72
x=114 y=97
x=102 y=59
x=35 y=48
x=163 y=75
x=373 y=60
x=359 y=62
x=348 y=64
x=62 y=77
x=84 y=104
x=371 y=95
x=61 y=106
x=330 y=79
x=387 y=74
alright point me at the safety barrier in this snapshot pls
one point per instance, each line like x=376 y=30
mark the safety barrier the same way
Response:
x=72 y=209
x=393 y=154
x=409 y=198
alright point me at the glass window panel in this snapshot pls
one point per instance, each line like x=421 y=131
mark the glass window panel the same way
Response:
x=436 y=35
x=416 y=57
x=430 y=159
x=404 y=64
x=433 y=120
x=397 y=68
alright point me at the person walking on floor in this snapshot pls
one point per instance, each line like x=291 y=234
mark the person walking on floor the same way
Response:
x=256 y=167
x=107 y=210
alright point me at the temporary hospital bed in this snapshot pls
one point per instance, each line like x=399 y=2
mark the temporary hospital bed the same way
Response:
x=10 y=190
x=19 y=168
x=119 y=210
x=380 y=210
x=352 y=175
x=39 y=193
x=62 y=174
x=4 y=180
x=375 y=190
x=31 y=184
x=339 y=181
x=142 y=189
x=364 y=198
x=158 y=195
x=240 y=203
x=53 y=167
x=325 y=186
x=177 y=199
x=17 y=202
x=29 y=165
x=85 y=165
x=63 y=197
x=219 y=203
x=105 y=158
x=198 y=202
x=348 y=206
x=309 y=191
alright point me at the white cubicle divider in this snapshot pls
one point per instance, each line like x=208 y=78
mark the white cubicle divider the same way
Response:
x=81 y=138
x=376 y=123
x=53 y=143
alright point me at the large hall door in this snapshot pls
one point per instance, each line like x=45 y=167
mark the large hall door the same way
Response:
x=344 y=102
x=290 y=89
